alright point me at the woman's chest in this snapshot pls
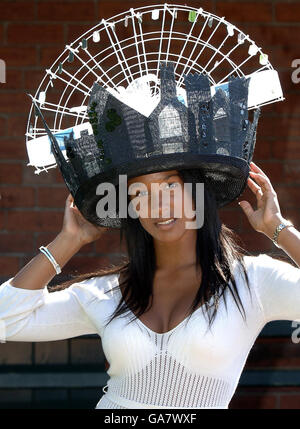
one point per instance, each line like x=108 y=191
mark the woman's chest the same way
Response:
x=130 y=345
x=166 y=311
x=171 y=302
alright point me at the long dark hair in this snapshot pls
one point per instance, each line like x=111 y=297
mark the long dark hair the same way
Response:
x=217 y=252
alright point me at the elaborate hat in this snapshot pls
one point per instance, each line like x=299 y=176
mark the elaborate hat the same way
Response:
x=156 y=123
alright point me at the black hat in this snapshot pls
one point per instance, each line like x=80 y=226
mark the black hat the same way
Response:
x=113 y=116
x=212 y=133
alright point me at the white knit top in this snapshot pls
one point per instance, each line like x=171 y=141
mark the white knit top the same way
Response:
x=186 y=367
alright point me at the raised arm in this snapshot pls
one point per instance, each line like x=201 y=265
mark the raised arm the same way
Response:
x=75 y=233
x=28 y=312
x=277 y=282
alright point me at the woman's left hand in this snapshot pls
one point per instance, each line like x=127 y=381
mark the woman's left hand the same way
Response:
x=268 y=214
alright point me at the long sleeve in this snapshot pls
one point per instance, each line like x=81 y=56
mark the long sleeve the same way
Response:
x=278 y=288
x=40 y=315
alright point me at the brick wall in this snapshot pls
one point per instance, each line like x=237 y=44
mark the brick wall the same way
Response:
x=32 y=35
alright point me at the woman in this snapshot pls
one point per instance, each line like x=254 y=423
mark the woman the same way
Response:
x=166 y=358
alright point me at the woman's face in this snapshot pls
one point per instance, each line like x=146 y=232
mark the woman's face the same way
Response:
x=169 y=207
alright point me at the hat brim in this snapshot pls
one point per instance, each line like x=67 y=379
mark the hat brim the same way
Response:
x=226 y=175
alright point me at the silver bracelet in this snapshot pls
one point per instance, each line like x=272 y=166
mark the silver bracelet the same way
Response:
x=282 y=225
x=47 y=253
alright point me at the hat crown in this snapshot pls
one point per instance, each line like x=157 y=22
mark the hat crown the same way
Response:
x=208 y=125
x=210 y=132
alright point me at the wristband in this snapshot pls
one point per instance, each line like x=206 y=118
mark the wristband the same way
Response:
x=278 y=229
x=47 y=253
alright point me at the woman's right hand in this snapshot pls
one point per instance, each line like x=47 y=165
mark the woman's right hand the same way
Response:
x=75 y=225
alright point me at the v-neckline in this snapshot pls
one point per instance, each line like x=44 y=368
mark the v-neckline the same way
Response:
x=145 y=326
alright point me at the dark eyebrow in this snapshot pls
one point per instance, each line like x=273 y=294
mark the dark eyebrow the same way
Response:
x=166 y=177
x=170 y=175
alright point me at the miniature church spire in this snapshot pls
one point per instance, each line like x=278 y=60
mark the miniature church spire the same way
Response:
x=167 y=81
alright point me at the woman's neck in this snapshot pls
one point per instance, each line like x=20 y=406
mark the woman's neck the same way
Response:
x=174 y=255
